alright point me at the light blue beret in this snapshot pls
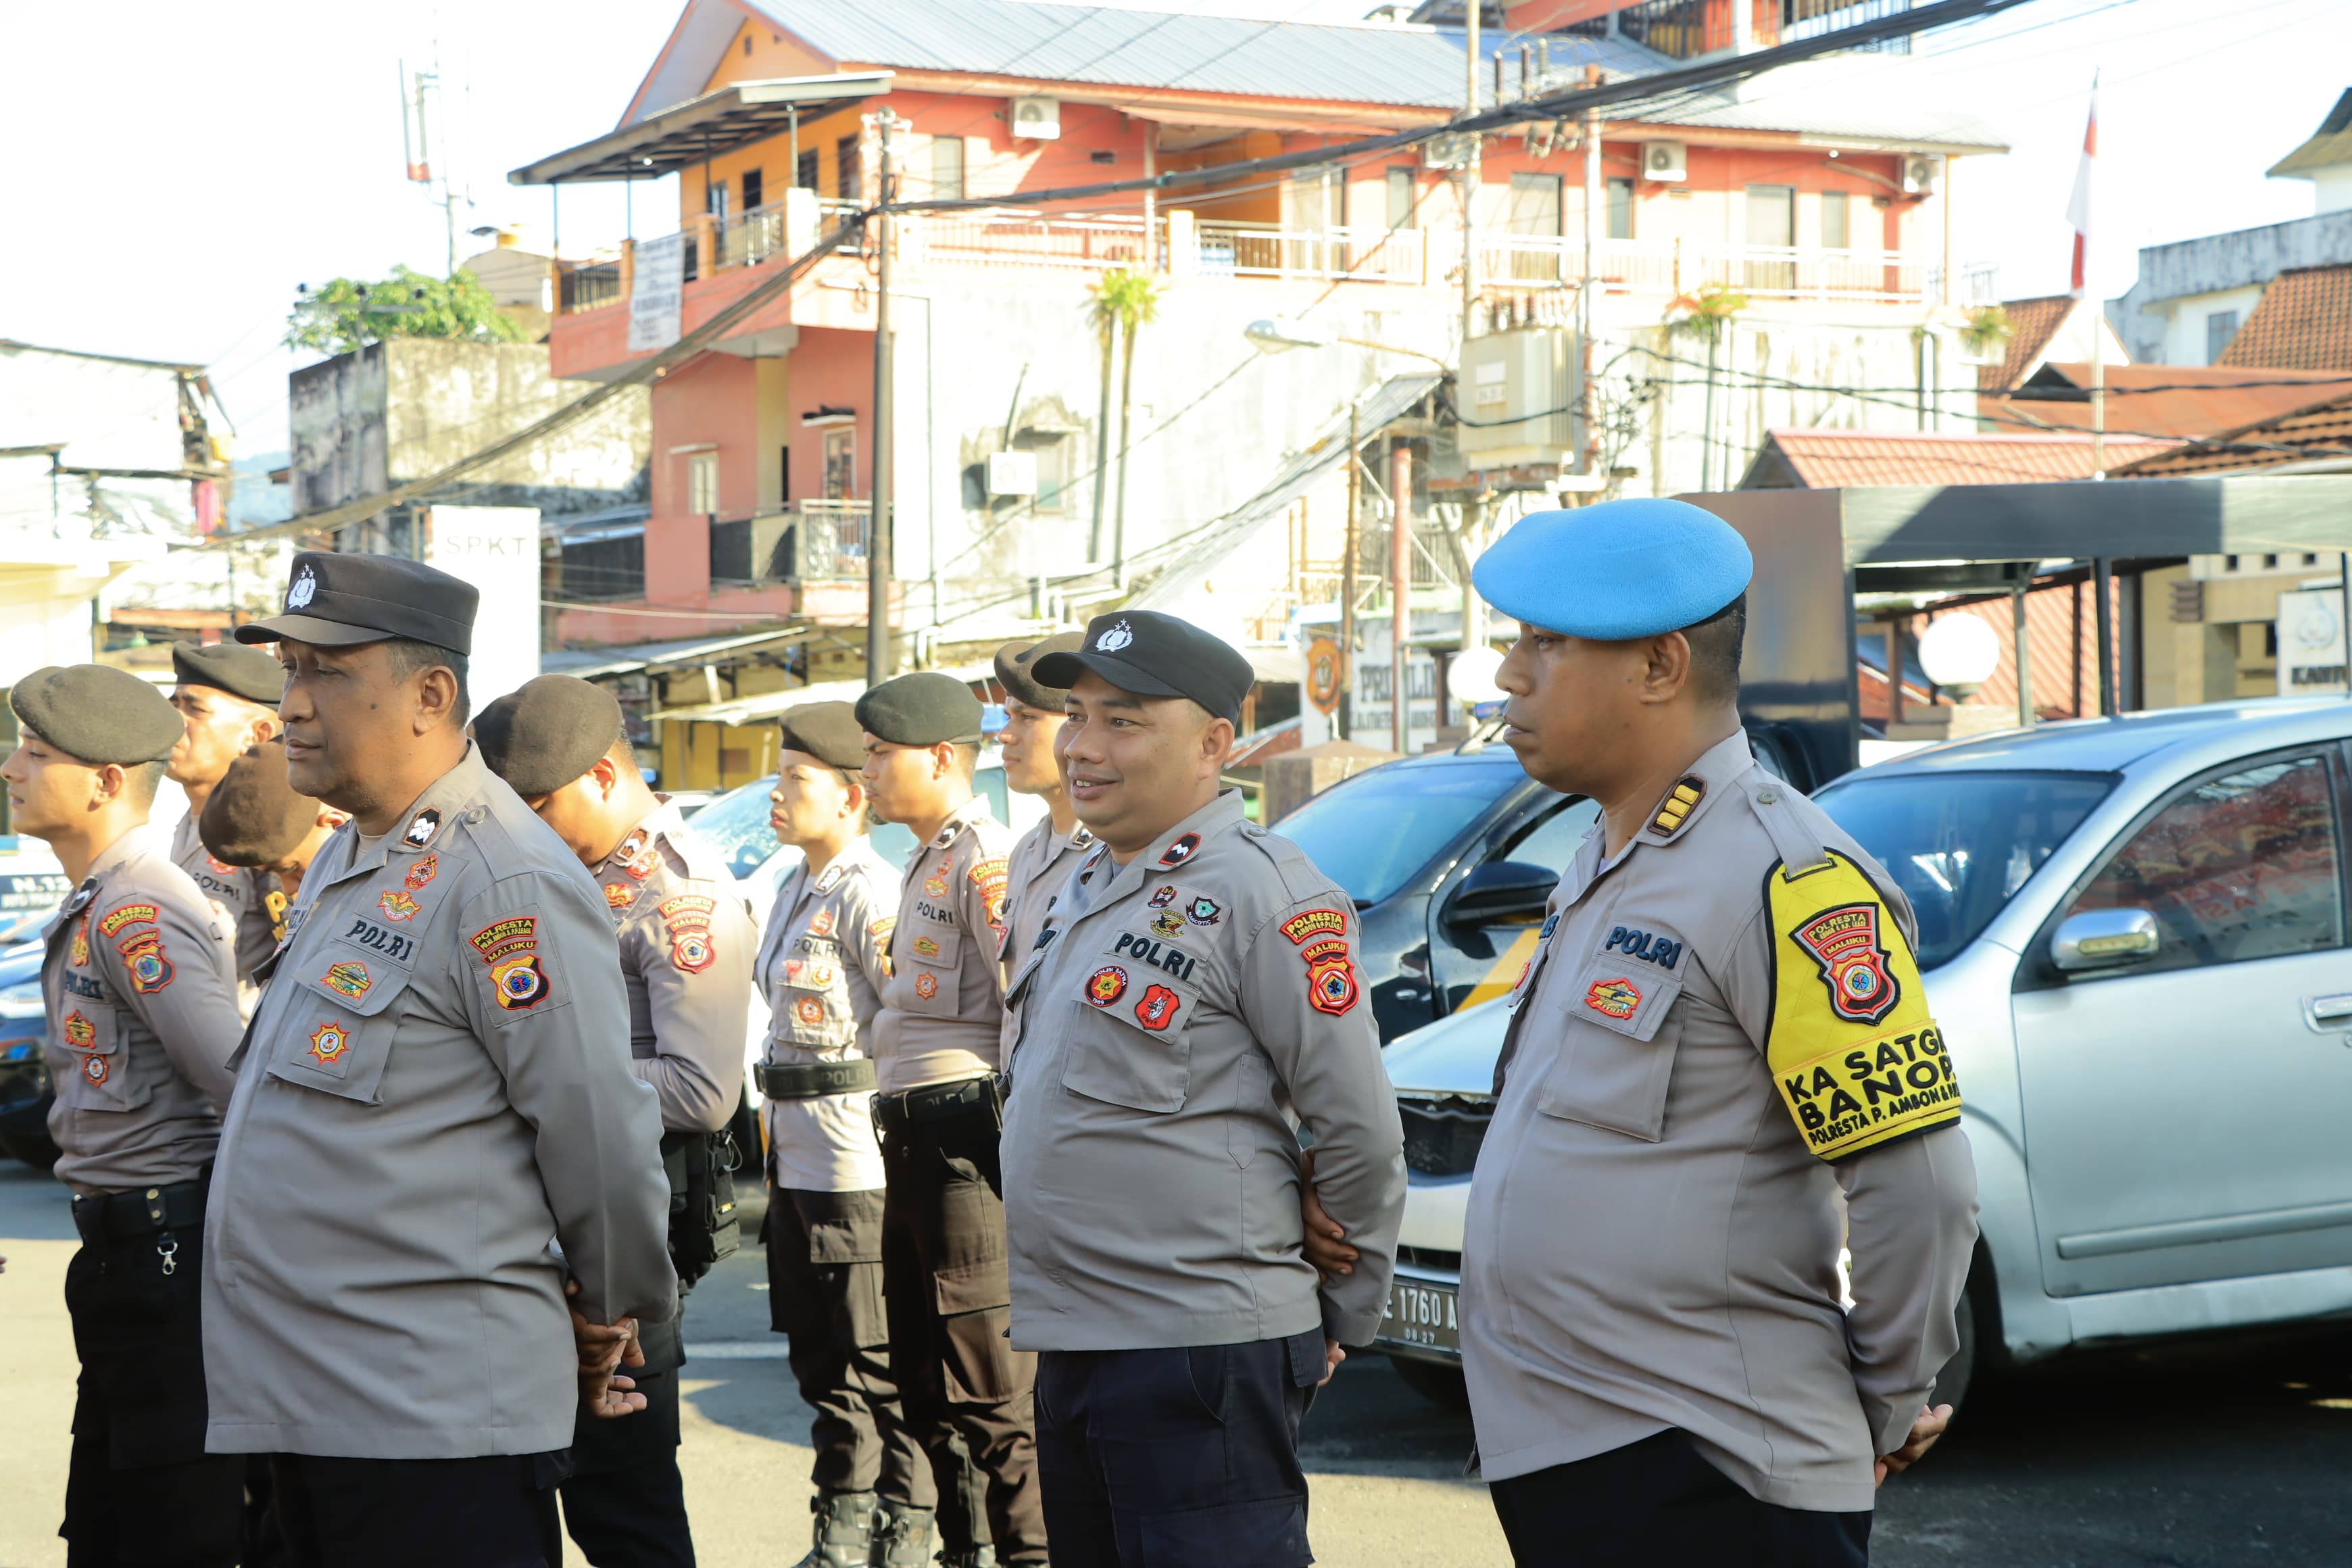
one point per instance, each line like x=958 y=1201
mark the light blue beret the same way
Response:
x=1619 y=570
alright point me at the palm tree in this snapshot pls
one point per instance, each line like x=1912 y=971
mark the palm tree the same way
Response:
x=1125 y=301
x=1102 y=314
x=1705 y=315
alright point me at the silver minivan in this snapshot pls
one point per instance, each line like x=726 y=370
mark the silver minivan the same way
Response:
x=2133 y=933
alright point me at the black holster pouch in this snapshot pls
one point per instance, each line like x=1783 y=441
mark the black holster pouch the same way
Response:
x=703 y=1228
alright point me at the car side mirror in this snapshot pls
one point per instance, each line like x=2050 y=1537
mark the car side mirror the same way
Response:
x=1499 y=891
x=2102 y=939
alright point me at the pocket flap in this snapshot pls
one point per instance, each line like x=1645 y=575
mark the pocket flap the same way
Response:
x=932 y=944
x=979 y=1286
x=351 y=978
x=1127 y=1044
x=1630 y=998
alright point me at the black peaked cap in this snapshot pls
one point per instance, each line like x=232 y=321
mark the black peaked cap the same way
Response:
x=337 y=600
x=1149 y=654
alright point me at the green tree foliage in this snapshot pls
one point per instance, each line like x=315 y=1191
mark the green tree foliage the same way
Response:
x=347 y=313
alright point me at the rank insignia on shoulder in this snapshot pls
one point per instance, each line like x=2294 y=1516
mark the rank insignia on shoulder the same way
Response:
x=427 y=867
x=1183 y=849
x=1680 y=801
x=82 y=896
x=830 y=878
x=1857 y=1058
x=1163 y=897
x=421 y=829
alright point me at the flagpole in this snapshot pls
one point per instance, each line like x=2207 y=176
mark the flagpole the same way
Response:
x=2080 y=212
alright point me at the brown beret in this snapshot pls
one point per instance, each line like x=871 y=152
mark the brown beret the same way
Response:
x=97 y=714
x=233 y=667
x=828 y=732
x=1016 y=669
x=921 y=710
x=254 y=817
x=548 y=732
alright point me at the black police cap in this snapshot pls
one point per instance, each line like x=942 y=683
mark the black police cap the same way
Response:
x=95 y=713
x=829 y=731
x=233 y=667
x=254 y=816
x=337 y=600
x=1153 y=655
x=548 y=732
x=921 y=710
x=1016 y=669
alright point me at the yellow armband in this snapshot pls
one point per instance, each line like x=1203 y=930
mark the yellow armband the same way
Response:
x=1858 y=1060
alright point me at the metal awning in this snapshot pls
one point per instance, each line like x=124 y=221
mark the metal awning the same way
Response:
x=763 y=706
x=685 y=134
x=634 y=658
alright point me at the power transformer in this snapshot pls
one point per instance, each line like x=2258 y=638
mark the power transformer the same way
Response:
x=1519 y=393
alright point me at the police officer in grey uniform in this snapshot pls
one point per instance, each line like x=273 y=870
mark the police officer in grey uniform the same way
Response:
x=436 y=1085
x=1192 y=1000
x=228 y=696
x=1045 y=855
x=141 y=990
x=1720 y=1064
x=822 y=964
x=686 y=939
x=935 y=1053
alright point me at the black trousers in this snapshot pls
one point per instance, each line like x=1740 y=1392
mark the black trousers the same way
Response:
x=964 y=1389
x=824 y=1290
x=492 y=1512
x=140 y=1488
x=625 y=1502
x=1177 y=1458
x=1658 y=1504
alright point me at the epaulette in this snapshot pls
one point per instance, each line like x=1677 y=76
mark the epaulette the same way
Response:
x=1676 y=808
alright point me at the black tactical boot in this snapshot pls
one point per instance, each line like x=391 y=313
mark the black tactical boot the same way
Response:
x=845 y=1529
x=902 y=1537
x=970 y=1557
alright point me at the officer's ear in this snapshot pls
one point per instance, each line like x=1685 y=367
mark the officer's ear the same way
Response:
x=606 y=773
x=1665 y=669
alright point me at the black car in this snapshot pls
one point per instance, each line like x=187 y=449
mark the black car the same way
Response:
x=24 y=1079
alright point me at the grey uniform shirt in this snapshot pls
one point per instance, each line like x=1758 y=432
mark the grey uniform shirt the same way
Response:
x=1652 y=1242
x=943 y=1002
x=685 y=938
x=1187 y=1010
x=822 y=964
x=434 y=1094
x=142 y=1003
x=1039 y=864
x=242 y=895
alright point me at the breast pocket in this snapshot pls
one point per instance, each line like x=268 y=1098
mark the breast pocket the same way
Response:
x=337 y=1019
x=1617 y=1050
x=929 y=961
x=101 y=1080
x=1128 y=1034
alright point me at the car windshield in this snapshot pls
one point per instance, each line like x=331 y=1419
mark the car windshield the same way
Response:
x=1371 y=833
x=1960 y=844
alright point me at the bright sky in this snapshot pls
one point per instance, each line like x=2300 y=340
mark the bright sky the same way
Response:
x=179 y=168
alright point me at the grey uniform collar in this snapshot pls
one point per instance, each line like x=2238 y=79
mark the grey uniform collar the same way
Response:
x=132 y=845
x=426 y=825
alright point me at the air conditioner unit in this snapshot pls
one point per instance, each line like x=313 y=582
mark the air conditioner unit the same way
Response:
x=1451 y=150
x=1038 y=119
x=1666 y=161
x=1920 y=172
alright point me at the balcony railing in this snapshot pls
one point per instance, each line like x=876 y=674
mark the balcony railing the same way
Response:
x=1673 y=267
x=815 y=541
x=1010 y=238
x=1270 y=250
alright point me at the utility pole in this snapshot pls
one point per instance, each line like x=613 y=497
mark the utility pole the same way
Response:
x=878 y=522
x=1474 y=508
x=1470 y=9
x=1400 y=586
x=1594 y=192
x=1348 y=551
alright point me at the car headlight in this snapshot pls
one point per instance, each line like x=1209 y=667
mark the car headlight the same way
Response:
x=22 y=1001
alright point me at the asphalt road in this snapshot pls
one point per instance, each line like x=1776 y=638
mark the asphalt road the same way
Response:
x=2206 y=1457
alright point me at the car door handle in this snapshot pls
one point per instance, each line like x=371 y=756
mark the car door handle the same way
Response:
x=2323 y=1011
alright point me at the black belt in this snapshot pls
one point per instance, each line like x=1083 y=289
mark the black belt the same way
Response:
x=806 y=1080
x=938 y=1102
x=101 y=1216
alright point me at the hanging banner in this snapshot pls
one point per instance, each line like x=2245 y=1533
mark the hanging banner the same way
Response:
x=657 y=293
x=1323 y=675
x=2310 y=643
x=494 y=548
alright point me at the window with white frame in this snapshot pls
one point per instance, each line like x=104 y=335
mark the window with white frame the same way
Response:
x=702 y=482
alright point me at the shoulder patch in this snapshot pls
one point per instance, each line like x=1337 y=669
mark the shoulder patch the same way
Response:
x=1855 y=1055
x=126 y=915
x=516 y=933
x=1315 y=922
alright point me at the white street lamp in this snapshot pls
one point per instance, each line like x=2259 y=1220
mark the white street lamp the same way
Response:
x=1960 y=652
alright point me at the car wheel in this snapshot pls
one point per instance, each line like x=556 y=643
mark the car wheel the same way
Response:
x=1440 y=1385
x=1952 y=1383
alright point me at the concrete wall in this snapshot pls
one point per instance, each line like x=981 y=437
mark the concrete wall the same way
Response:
x=110 y=413
x=2215 y=264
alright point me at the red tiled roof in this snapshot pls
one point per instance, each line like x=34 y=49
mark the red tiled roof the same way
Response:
x=1835 y=459
x=2031 y=324
x=2316 y=430
x=2303 y=321
x=2161 y=399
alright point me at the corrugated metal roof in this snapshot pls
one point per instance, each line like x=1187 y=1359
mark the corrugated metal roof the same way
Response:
x=2303 y=321
x=2164 y=399
x=1829 y=114
x=1201 y=555
x=1841 y=460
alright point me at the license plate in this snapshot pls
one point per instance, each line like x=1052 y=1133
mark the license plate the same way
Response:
x=1426 y=1315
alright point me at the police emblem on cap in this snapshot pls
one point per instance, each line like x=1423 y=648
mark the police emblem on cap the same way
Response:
x=1117 y=637
x=305 y=584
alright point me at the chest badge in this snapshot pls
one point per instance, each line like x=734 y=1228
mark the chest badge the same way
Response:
x=927 y=947
x=1202 y=911
x=821 y=924
x=927 y=985
x=1168 y=923
x=1107 y=985
x=935 y=886
x=421 y=829
x=1618 y=998
x=78 y=953
x=618 y=897
x=397 y=905
x=1844 y=942
x=1163 y=897
x=426 y=867
x=809 y=1010
x=1158 y=1008
x=329 y=1041
x=351 y=979
x=94 y=1068
x=79 y=1033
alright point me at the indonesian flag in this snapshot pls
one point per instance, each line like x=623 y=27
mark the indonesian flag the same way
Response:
x=2078 y=206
